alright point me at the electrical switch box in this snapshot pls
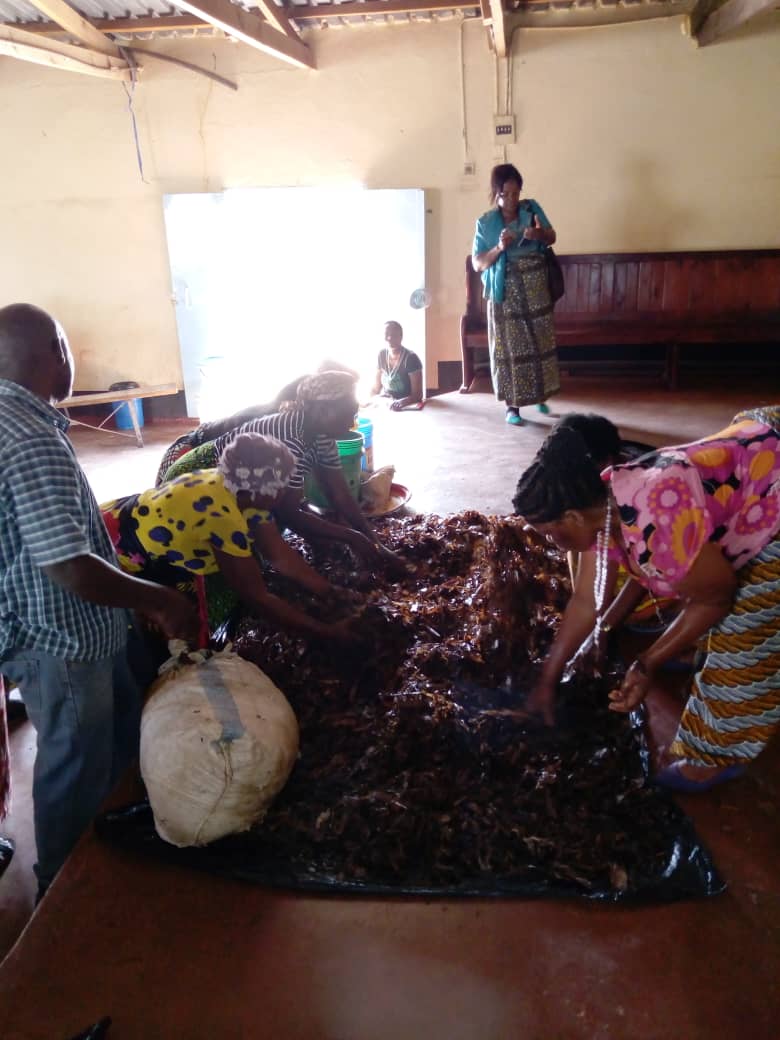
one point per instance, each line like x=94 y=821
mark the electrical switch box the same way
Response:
x=504 y=129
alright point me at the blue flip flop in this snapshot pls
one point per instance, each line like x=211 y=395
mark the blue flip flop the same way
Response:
x=673 y=780
x=543 y=408
x=514 y=419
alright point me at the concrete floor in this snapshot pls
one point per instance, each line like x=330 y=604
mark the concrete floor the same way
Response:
x=170 y=954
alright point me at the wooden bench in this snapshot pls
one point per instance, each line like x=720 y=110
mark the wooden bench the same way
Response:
x=672 y=300
x=117 y=398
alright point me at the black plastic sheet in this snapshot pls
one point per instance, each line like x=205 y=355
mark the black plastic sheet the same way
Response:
x=651 y=851
x=419 y=773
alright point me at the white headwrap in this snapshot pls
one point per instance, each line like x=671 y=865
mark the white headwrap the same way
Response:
x=255 y=463
x=326 y=386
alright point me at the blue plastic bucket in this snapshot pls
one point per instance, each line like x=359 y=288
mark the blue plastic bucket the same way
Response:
x=122 y=417
x=366 y=427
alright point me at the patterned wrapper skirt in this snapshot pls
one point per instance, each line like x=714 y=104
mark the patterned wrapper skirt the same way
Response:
x=5 y=758
x=521 y=337
x=734 y=706
x=203 y=457
x=180 y=447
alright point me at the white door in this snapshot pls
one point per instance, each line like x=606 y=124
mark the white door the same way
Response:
x=270 y=281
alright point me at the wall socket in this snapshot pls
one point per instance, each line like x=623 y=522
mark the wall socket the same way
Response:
x=504 y=129
x=469 y=169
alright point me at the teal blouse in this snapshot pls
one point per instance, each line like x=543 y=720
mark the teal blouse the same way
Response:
x=489 y=228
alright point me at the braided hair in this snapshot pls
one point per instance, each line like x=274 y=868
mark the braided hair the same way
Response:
x=561 y=477
x=601 y=437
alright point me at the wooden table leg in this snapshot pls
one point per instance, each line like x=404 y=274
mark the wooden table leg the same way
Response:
x=131 y=404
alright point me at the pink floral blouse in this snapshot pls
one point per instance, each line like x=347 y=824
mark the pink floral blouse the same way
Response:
x=723 y=489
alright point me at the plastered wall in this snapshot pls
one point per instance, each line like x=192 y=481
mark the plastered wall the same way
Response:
x=630 y=137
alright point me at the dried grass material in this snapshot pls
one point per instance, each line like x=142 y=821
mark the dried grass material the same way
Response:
x=418 y=768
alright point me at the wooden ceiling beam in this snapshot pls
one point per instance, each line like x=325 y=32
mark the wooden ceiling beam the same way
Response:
x=16 y=43
x=249 y=29
x=186 y=22
x=498 y=22
x=277 y=16
x=77 y=26
x=732 y=15
x=354 y=10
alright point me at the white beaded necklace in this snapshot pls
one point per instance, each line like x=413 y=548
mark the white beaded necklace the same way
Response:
x=602 y=560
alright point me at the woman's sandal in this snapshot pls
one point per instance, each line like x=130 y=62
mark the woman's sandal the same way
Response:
x=543 y=408
x=513 y=418
x=673 y=780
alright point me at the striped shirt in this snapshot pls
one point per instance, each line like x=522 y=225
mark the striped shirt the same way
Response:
x=287 y=427
x=48 y=514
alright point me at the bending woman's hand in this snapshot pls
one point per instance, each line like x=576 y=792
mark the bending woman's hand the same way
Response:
x=541 y=702
x=633 y=690
x=590 y=655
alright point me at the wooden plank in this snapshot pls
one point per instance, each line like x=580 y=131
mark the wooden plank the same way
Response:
x=632 y=282
x=594 y=288
x=249 y=29
x=498 y=26
x=606 y=304
x=676 y=288
x=76 y=26
x=732 y=15
x=583 y=284
x=700 y=286
x=169 y=22
x=277 y=16
x=619 y=287
x=16 y=43
x=765 y=285
x=651 y=285
x=108 y=396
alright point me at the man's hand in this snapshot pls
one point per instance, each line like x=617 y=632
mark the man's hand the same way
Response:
x=173 y=614
x=633 y=689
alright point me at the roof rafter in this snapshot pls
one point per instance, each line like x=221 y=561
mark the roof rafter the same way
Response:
x=249 y=29
x=278 y=18
x=77 y=26
x=16 y=43
x=732 y=15
x=497 y=20
x=350 y=9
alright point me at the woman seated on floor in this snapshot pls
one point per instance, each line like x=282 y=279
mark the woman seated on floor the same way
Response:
x=215 y=520
x=323 y=411
x=698 y=521
x=398 y=372
x=210 y=431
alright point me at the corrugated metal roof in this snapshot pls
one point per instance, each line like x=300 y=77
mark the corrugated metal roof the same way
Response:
x=20 y=12
x=327 y=14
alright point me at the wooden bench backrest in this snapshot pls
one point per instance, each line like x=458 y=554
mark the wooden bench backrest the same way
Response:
x=702 y=284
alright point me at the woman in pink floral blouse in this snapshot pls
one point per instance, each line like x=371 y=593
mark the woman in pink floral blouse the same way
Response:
x=701 y=522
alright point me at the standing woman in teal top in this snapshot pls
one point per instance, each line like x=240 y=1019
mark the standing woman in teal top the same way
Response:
x=508 y=251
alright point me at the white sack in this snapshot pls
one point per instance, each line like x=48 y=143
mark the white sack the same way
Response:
x=218 y=741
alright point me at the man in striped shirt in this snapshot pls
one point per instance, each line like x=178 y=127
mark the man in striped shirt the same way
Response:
x=63 y=600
